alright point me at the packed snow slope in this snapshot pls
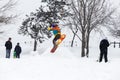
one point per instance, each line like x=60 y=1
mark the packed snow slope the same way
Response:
x=61 y=65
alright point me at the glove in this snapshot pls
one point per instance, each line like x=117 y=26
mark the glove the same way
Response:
x=49 y=28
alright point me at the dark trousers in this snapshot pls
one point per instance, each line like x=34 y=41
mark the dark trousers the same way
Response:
x=17 y=55
x=55 y=39
x=8 y=51
x=103 y=53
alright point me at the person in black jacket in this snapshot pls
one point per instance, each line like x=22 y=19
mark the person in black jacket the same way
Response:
x=17 y=50
x=8 y=45
x=104 y=44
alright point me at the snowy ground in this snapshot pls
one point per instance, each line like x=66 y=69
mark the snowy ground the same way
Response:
x=64 y=64
x=49 y=68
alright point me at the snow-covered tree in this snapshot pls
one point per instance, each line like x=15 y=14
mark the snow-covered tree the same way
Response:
x=37 y=22
x=35 y=26
x=58 y=10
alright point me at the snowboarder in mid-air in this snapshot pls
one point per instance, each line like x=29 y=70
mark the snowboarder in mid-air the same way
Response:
x=58 y=37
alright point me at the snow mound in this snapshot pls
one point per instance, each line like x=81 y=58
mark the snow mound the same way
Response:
x=61 y=52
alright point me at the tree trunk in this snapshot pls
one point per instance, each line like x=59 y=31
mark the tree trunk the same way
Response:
x=73 y=40
x=83 y=45
x=87 y=46
x=35 y=45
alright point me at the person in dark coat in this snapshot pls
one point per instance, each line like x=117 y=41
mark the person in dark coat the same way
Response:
x=104 y=44
x=8 y=45
x=17 y=50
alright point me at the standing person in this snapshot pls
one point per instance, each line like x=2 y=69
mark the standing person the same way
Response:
x=104 y=44
x=17 y=50
x=8 y=45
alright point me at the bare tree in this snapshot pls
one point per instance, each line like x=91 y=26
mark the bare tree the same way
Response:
x=87 y=16
x=4 y=8
x=114 y=28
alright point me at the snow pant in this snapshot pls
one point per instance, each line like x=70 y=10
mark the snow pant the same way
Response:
x=103 y=53
x=55 y=39
x=8 y=51
x=17 y=55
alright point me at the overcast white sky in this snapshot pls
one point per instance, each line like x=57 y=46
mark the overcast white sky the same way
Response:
x=115 y=3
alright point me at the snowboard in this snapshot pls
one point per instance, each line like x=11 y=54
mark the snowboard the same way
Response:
x=58 y=43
